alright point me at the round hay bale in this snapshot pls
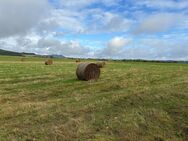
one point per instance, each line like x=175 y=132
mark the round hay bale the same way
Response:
x=78 y=60
x=49 y=62
x=22 y=59
x=88 y=71
x=101 y=64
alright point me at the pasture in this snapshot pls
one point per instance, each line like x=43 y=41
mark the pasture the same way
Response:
x=131 y=101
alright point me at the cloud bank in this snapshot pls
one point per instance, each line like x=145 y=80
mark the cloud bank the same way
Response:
x=160 y=22
x=144 y=29
x=19 y=16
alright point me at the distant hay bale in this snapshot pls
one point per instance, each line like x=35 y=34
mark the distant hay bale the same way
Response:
x=78 y=60
x=49 y=62
x=22 y=59
x=87 y=71
x=101 y=64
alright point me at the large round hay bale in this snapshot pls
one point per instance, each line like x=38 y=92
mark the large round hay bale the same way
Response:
x=101 y=64
x=88 y=71
x=49 y=62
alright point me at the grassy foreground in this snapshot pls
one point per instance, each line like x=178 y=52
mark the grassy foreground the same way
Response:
x=130 y=102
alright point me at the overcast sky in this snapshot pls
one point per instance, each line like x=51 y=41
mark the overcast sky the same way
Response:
x=129 y=29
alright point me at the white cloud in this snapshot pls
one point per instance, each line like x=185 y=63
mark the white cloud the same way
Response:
x=118 y=43
x=8 y=43
x=157 y=49
x=86 y=21
x=26 y=43
x=114 y=47
x=45 y=45
x=69 y=49
x=146 y=48
x=62 y=19
x=117 y=48
x=164 y=49
x=18 y=16
x=161 y=22
x=100 y=22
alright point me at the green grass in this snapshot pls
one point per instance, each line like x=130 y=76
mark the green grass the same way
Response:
x=130 y=102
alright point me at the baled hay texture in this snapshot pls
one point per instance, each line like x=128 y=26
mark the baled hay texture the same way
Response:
x=101 y=64
x=78 y=60
x=88 y=71
x=49 y=62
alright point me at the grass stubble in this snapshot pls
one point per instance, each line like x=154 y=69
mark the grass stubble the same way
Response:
x=131 y=101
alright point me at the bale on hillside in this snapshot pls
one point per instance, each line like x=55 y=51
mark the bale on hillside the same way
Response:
x=88 y=71
x=49 y=62
x=78 y=60
x=101 y=64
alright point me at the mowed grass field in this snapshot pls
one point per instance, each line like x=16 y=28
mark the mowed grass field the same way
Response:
x=132 y=101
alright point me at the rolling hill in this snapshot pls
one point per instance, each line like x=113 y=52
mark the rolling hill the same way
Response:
x=12 y=53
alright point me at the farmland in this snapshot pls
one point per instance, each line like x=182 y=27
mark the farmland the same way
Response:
x=131 y=101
